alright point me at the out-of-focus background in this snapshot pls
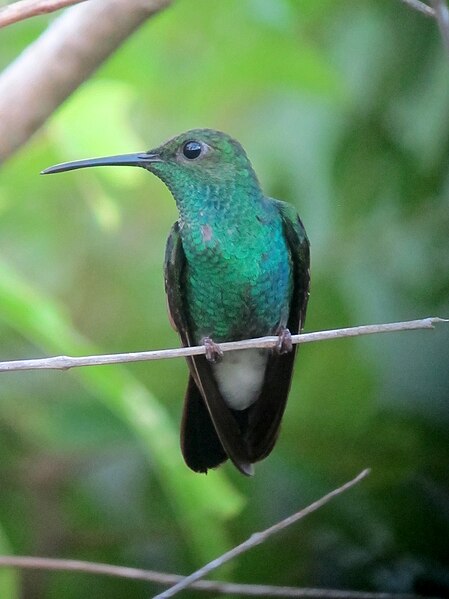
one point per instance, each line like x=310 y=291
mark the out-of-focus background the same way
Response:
x=343 y=109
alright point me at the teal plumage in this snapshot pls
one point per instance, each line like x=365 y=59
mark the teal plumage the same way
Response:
x=236 y=266
x=238 y=277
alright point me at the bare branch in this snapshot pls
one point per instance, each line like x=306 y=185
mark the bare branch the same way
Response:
x=228 y=588
x=421 y=7
x=441 y=10
x=65 y=55
x=258 y=538
x=66 y=362
x=24 y=9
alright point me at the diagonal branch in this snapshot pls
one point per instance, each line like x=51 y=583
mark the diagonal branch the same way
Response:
x=441 y=10
x=421 y=7
x=24 y=9
x=258 y=538
x=57 y=63
x=66 y=362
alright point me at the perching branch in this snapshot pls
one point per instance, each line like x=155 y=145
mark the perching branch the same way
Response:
x=258 y=538
x=24 y=9
x=64 y=56
x=66 y=362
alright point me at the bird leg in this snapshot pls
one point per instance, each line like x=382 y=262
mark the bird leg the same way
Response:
x=284 y=344
x=213 y=351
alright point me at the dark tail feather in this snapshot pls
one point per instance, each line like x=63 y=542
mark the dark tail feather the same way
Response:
x=200 y=444
x=266 y=413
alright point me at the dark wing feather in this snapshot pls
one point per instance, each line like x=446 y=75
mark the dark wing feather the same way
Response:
x=266 y=414
x=173 y=272
x=213 y=420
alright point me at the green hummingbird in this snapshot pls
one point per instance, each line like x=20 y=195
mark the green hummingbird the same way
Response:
x=236 y=267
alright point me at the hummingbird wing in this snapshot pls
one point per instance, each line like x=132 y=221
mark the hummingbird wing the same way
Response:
x=209 y=432
x=266 y=413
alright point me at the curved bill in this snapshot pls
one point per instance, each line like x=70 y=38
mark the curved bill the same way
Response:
x=142 y=159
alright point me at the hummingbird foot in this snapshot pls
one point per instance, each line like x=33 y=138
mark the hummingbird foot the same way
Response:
x=284 y=344
x=213 y=351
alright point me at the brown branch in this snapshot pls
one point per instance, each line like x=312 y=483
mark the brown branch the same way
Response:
x=66 y=362
x=258 y=538
x=212 y=586
x=24 y=9
x=64 y=56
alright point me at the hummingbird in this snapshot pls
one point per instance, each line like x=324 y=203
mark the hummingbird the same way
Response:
x=236 y=267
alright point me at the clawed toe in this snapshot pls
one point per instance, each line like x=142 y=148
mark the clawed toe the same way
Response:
x=213 y=351
x=284 y=344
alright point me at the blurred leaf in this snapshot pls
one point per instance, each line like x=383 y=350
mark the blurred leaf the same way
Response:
x=9 y=579
x=201 y=504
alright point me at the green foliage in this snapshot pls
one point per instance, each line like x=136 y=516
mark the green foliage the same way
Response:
x=342 y=108
x=8 y=578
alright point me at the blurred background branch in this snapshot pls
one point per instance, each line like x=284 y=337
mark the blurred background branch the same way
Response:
x=51 y=564
x=25 y=9
x=259 y=538
x=422 y=7
x=208 y=586
x=63 y=57
x=441 y=11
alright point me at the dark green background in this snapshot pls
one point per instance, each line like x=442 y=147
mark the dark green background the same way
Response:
x=343 y=108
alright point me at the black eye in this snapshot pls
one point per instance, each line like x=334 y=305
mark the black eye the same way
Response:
x=192 y=149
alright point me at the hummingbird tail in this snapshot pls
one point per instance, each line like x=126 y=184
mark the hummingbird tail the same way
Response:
x=200 y=445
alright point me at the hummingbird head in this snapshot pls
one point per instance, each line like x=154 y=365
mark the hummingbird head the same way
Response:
x=189 y=162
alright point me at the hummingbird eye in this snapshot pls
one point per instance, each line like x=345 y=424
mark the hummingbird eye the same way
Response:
x=192 y=149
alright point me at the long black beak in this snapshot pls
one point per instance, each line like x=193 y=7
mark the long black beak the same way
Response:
x=143 y=159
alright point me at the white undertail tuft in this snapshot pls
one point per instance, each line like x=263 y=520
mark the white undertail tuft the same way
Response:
x=240 y=375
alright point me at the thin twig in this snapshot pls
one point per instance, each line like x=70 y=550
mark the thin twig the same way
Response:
x=24 y=9
x=442 y=14
x=258 y=538
x=228 y=588
x=421 y=7
x=66 y=362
